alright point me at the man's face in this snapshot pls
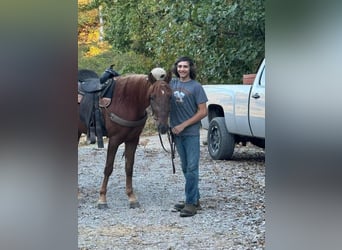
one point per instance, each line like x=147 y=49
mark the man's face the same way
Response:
x=183 y=69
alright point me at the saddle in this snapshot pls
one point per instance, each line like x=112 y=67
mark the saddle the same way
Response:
x=92 y=95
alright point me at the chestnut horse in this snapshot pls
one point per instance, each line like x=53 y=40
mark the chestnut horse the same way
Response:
x=125 y=119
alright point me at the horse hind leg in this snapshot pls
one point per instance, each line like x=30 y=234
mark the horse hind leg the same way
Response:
x=111 y=152
x=130 y=149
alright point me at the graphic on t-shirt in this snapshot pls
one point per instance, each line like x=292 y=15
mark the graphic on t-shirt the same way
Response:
x=179 y=95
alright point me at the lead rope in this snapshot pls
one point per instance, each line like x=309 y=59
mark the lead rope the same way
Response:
x=170 y=137
x=173 y=149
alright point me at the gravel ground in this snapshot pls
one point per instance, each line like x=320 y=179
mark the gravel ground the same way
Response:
x=232 y=197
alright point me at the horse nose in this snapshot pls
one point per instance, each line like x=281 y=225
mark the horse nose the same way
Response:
x=163 y=128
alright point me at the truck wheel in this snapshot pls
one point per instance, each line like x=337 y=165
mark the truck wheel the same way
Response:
x=221 y=143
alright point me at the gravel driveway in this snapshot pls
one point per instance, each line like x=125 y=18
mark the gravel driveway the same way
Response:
x=232 y=197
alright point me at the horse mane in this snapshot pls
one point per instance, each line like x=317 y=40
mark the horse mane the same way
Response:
x=132 y=83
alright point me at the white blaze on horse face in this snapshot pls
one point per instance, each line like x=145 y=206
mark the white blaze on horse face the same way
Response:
x=163 y=92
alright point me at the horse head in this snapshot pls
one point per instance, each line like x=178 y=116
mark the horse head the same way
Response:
x=160 y=95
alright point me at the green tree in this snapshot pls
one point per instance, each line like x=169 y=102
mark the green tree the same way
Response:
x=226 y=38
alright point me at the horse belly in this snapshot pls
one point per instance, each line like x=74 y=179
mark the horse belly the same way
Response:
x=124 y=133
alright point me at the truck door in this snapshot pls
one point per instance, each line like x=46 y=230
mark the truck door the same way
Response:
x=257 y=104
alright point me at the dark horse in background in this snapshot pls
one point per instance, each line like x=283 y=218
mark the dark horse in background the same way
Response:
x=125 y=119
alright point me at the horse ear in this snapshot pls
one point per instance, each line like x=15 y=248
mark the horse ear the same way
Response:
x=151 y=78
x=168 y=76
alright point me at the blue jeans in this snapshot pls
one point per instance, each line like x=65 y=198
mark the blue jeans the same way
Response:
x=188 y=148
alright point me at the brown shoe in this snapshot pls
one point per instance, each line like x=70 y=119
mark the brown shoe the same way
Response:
x=179 y=206
x=188 y=210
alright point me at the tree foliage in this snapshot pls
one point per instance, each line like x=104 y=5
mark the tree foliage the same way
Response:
x=225 y=37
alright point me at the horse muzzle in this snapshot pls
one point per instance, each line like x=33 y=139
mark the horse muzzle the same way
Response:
x=163 y=128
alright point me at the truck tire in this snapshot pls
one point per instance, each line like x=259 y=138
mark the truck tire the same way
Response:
x=221 y=143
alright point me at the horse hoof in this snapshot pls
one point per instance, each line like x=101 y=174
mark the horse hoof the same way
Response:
x=134 y=204
x=102 y=205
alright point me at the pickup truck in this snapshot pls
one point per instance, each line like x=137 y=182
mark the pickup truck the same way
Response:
x=236 y=115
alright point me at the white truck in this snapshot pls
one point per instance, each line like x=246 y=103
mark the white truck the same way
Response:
x=236 y=114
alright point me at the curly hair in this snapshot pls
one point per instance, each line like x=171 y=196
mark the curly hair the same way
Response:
x=191 y=64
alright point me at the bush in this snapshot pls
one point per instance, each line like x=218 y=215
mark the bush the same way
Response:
x=124 y=63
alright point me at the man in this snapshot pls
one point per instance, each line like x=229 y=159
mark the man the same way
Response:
x=188 y=107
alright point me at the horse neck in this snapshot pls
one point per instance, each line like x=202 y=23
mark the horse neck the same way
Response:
x=142 y=92
x=134 y=90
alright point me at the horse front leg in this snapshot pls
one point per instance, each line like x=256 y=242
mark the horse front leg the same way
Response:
x=111 y=152
x=130 y=149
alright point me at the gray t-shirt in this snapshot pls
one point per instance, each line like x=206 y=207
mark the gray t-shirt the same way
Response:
x=184 y=103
